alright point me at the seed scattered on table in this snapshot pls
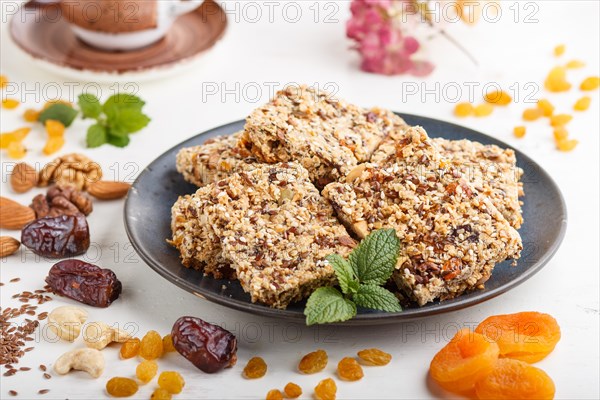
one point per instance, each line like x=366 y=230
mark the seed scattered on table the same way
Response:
x=13 y=280
x=43 y=391
x=13 y=392
x=47 y=376
x=43 y=367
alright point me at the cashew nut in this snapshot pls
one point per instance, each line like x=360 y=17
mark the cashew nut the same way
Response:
x=66 y=321
x=88 y=360
x=98 y=335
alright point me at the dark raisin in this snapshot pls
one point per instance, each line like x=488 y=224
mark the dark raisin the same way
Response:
x=209 y=347
x=57 y=237
x=86 y=283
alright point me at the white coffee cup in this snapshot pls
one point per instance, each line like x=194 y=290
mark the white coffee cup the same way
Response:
x=92 y=23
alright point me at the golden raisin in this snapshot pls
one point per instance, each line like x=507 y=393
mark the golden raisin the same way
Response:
x=463 y=109
x=16 y=150
x=53 y=145
x=3 y=81
x=146 y=370
x=546 y=107
x=531 y=114
x=556 y=81
x=168 y=344
x=130 y=348
x=326 y=390
x=519 y=131
x=31 y=115
x=560 y=133
x=575 y=64
x=513 y=379
x=560 y=119
x=483 y=110
x=498 y=98
x=161 y=394
x=313 y=362
x=349 y=369
x=566 y=144
x=171 y=381
x=121 y=387
x=582 y=104
x=559 y=50
x=151 y=346
x=292 y=390
x=274 y=394
x=54 y=128
x=10 y=103
x=590 y=83
x=374 y=357
x=256 y=368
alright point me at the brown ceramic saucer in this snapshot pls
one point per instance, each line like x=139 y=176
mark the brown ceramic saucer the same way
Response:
x=44 y=35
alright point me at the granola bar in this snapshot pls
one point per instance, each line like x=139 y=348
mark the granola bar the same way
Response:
x=451 y=235
x=325 y=135
x=216 y=159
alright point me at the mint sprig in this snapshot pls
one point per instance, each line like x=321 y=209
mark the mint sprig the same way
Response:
x=116 y=119
x=360 y=277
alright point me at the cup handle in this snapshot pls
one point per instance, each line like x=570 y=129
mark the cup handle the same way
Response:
x=180 y=7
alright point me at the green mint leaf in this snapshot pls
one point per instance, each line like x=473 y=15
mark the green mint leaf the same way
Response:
x=128 y=121
x=121 y=101
x=89 y=105
x=59 y=112
x=326 y=305
x=375 y=257
x=376 y=298
x=117 y=140
x=345 y=274
x=96 y=136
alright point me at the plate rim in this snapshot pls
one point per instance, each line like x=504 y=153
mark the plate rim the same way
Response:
x=364 y=318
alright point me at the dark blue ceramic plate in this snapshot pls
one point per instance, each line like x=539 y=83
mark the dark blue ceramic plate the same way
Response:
x=148 y=216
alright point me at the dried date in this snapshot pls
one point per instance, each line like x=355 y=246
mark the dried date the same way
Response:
x=209 y=347
x=57 y=237
x=86 y=283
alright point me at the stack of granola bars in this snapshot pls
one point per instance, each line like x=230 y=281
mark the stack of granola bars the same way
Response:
x=311 y=174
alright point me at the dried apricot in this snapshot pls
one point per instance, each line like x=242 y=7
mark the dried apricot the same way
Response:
x=483 y=110
x=463 y=109
x=560 y=119
x=560 y=133
x=349 y=369
x=168 y=344
x=161 y=394
x=146 y=370
x=171 y=381
x=556 y=81
x=14 y=136
x=526 y=336
x=582 y=104
x=513 y=379
x=130 y=348
x=590 y=83
x=559 y=50
x=53 y=145
x=151 y=346
x=16 y=150
x=531 y=114
x=519 y=131
x=256 y=368
x=546 y=107
x=3 y=81
x=575 y=64
x=31 y=115
x=566 y=145
x=326 y=389
x=374 y=357
x=313 y=362
x=292 y=390
x=465 y=359
x=274 y=394
x=54 y=128
x=10 y=103
x=498 y=98
x=121 y=387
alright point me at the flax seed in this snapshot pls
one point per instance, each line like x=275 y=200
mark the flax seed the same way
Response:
x=43 y=391
x=47 y=376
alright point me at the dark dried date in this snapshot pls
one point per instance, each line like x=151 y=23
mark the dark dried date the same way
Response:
x=86 y=283
x=209 y=347
x=57 y=237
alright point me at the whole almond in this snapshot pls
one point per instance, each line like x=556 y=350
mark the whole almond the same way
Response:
x=8 y=246
x=108 y=190
x=23 y=178
x=14 y=215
